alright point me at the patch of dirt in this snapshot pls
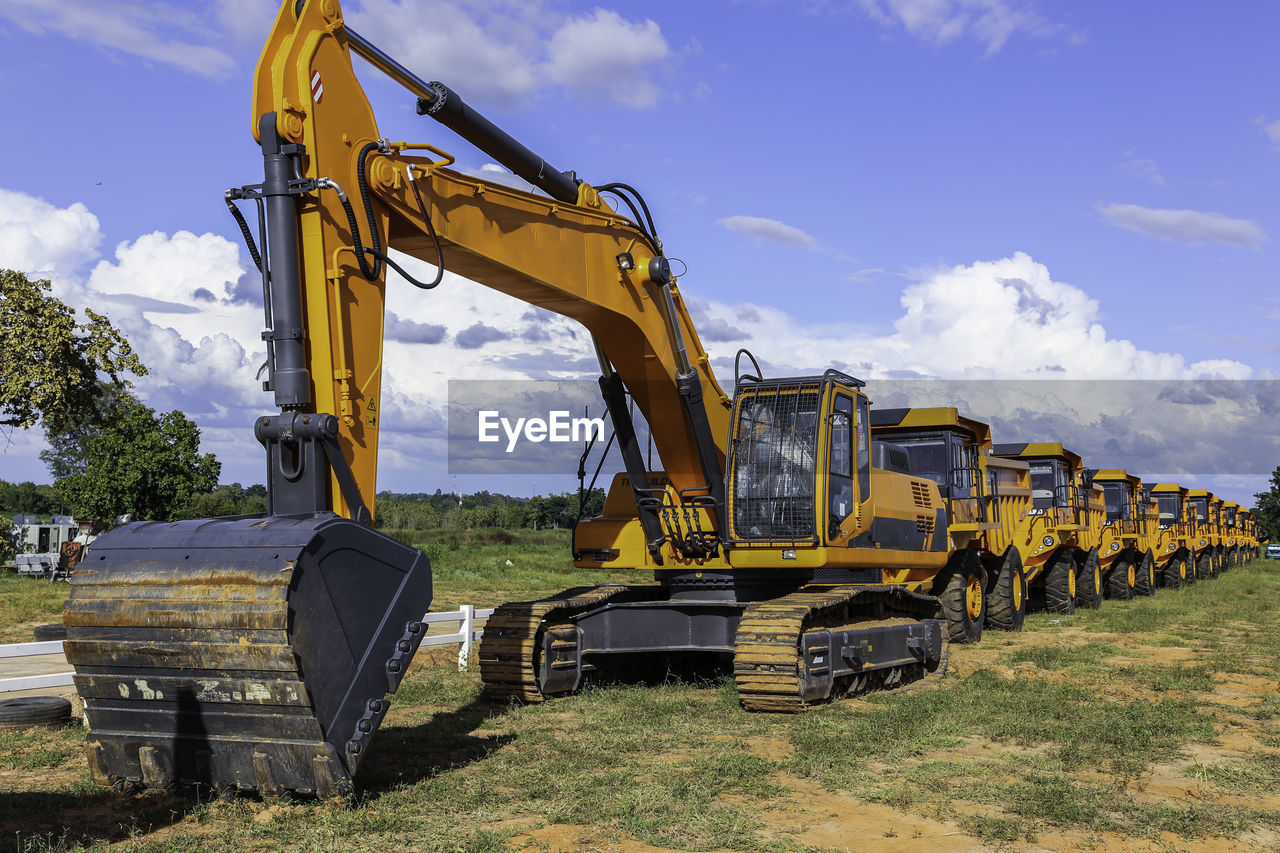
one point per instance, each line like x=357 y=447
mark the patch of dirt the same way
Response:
x=567 y=838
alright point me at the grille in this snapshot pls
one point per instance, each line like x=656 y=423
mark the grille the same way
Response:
x=774 y=459
x=920 y=492
x=924 y=524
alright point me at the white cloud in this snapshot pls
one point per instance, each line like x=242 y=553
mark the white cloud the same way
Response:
x=1145 y=169
x=487 y=50
x=770 y=230
x=173 y=296
x=500 y=52
x=1187 y=226
x=1271 y=130
x=604 y=54
x=154 y=31
x=1005 y=319
x=42 y=240
x=991 y=23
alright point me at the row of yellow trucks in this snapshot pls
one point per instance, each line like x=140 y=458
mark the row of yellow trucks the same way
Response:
x=1046 y=530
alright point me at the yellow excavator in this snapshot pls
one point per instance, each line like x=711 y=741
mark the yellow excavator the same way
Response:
x=257 y=653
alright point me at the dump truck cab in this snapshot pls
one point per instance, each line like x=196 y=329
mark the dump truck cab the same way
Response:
x=1124 y=546
x=986 y=497
x=1060 y=535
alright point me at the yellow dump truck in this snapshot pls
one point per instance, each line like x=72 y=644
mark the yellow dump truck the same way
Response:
x=1059 y=540
x=987 y=498
x=1172 y=539
x=1124 y=542
x=1206 y=537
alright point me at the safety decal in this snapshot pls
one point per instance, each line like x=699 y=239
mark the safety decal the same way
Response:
x=317 y=87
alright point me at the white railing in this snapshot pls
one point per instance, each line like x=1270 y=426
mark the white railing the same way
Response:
x=33 y=682
x=466 y=635
x=464 y=638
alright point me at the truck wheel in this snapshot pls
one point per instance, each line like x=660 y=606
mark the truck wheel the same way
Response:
x=1123 y=579
x=1007 y=597
x=1089 y=581
x=1060 y=583
x=44 y=633
x=34 y=711
x=1204 y=565
x=1145 y=582
x=1175 y=573
x=963 y=587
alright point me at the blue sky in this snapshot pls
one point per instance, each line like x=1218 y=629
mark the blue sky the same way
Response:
x=955 y=188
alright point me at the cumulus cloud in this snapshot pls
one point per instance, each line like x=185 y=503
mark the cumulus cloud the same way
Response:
x=159 y=32
x=174 y=295
x=478 y=334
x=504 y=50
x=492 y=46
x=396 y=328
x=1195 y=227
x=605 y=55
x=770 y=230
x=991 y=23
x=42 y=240
x=1005 y=319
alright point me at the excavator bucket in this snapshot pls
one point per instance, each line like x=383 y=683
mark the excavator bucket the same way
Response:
x=250 y=654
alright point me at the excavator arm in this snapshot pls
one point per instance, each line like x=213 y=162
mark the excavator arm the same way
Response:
x=356 y=195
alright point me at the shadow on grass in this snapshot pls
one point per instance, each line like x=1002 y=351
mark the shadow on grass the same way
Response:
x=44 y=820
x=407 y=754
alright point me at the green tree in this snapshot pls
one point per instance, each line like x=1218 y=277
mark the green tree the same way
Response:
x=50 y=364
x=1267 y=511
x=142 y=464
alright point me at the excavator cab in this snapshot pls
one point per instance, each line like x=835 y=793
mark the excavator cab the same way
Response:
x=799 y=458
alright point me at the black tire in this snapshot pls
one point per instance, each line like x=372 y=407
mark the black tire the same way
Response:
x=44 y=633
x=1146 y=575
x=1205 y=566
x=34 y=711
x=1007 y=595
x=1089 y=581
x=1060 y=582
x=1175 y=573
x=1122 y=580
x=960 y=583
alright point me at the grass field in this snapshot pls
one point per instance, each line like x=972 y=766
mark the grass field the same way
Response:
x=1147 y=725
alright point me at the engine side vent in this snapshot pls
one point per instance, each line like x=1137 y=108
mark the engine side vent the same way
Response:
x=920 y=492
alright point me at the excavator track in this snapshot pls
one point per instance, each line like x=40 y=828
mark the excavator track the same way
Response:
x=509 y=645
x=769 y=662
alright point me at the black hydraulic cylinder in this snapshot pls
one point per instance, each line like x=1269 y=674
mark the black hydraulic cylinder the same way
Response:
x=289 y=376
x=448 y=108
x=445 y=106
x=615 y=399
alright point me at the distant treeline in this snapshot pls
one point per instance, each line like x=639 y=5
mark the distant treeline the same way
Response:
x=419 y=511
x=482 y=509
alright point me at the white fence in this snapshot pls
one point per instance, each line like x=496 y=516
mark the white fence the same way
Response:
x=464 y=638
x=466 y=634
